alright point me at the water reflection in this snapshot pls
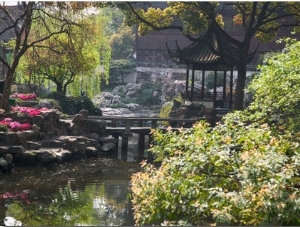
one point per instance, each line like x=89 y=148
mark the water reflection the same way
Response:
x=86 y=192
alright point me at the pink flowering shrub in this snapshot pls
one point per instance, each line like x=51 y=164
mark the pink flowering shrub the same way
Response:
x=31 y=96
x=28 y=110
x=14 y=125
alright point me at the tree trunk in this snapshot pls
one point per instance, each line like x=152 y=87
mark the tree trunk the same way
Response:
x=64 y=91
x=6 y=91
x=59 y=87
x=240 y=85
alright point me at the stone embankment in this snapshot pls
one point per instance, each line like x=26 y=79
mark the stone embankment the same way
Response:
x=54 y=140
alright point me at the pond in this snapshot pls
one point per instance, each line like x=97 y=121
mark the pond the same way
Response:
x=92 y=191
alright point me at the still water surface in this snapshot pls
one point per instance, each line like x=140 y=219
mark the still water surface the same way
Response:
x=83 y=192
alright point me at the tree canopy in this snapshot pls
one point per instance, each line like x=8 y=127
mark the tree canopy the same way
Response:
x=18 y=24
x=262 y=20
x=63 y=58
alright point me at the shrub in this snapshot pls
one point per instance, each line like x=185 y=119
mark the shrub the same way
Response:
x=167 y=108
x=71 y=106
x=150 y=94
x=230 y=175
x=3 y=128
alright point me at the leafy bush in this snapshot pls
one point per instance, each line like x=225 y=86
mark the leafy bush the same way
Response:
x=276 y=89
x=149 y=94
x=166 y=109
x=3 y=128
x=231 y=174
x=244 y=171
x=71 y=106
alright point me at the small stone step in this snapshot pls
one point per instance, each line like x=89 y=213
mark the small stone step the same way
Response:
x=27 y=103
x=32 y=145
x=52 y=143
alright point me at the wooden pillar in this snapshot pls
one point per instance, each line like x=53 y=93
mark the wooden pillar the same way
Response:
x=224 y=85
x=113 y=123
x=215 y=88
x=154 y=124
x=193 y=83
x=127 y=126
x=203 y=84
x=124 y=147
x=231 y=89
x=187 y=80
x=141 y=146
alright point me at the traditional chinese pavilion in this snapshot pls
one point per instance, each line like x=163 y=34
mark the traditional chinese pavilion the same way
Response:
x=203 y=64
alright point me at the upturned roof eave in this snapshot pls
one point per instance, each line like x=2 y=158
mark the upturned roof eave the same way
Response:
x=198 y=53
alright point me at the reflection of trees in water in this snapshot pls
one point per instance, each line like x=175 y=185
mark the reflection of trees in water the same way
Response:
x=97 y=204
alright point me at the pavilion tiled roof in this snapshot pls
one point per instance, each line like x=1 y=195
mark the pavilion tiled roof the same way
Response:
x=202 y=52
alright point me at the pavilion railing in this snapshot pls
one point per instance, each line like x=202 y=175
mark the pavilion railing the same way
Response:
x=208 y=96
x=199 y=96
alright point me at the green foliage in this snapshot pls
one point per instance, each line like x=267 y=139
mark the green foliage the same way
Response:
x=276 y=89
x=71 y=106
x=75 y=61
x=244 y=171
x=122 y=43
x=209 y=79
x=119 y=69
x=3 y=128
x=232 y=174
x=149 y=94
x=166 y=109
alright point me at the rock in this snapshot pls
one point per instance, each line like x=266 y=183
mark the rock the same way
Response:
x=116 y=100
x=29 y=157
x=85 y=113
x=36 y=128
x=10 y=221
x=37 y=120
x=33 y=145
x=95 y=126
x=78 y=118
x=49 y=115
x=45 y=156
x=93 y=143
x=63 y=155
x=25 y=136
x=121 y=112
x=54 y=143
x=3 y=164
x=9 y=159
x=133 y=106
x=4 y=150
x=44 y=103
x=108 y=147
x=16 y=151
x=91 y=151
x=47 y=127
x=9 y=138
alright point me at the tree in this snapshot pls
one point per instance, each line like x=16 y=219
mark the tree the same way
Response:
x=61 y=59
x=122 y=45
x=119 y=69
x=19 y=20
x=262 y=20
x=244 y=171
